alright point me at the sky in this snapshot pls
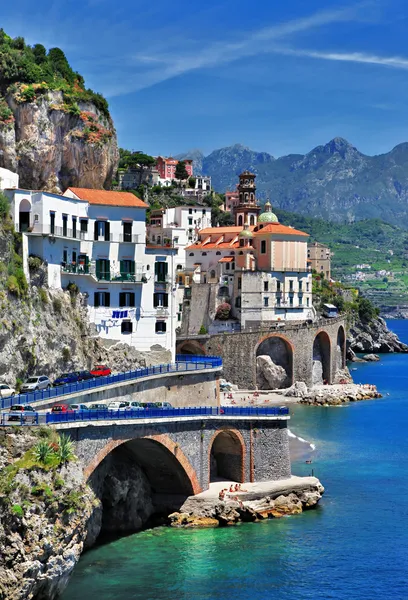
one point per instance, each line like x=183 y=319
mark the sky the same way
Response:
x=280 y=77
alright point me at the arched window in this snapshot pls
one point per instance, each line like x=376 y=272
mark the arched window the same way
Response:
x=179 y=267
x=204 y=254
x=241 y=243
x=252 y=196
x=148 y=268
x=191 y=254
x=238 y=302
x=212 y=274
x=240 y=221
x=218 y=253
x=232 y=253
x=252 y=220
x=241 y=252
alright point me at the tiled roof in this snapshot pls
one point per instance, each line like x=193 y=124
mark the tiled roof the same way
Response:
x=280 y=229
x=226 y=259
x=108 y=198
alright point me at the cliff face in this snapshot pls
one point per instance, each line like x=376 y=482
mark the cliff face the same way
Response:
x=373 y=337
x=52 y=145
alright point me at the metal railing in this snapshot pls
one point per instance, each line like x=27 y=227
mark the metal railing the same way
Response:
x=139 y=276
x=128 y=238
x=186 y=364
x=143 y=413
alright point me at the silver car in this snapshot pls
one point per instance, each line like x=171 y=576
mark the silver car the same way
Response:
x=33 y=384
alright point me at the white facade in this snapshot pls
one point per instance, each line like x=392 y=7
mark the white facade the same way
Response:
x=8 y=179
x=102 y=248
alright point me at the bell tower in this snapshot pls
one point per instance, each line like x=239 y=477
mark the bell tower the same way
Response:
x=247 y=210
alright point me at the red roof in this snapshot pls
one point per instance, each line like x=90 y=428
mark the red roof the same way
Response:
x=280 y=229
x=109 y=198
x=227 y=259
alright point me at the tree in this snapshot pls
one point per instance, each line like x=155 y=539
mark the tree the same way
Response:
x=181 y=171
x=192 y=182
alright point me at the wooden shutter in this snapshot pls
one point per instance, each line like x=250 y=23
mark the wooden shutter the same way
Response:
x=122 y=267
x=98 y=269
x=107 y=231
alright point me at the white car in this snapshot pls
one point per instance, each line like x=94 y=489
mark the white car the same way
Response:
x=78 y=407
x=6 y=391
x=118 y=406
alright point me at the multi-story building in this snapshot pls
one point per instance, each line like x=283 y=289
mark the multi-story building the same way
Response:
x=97 y=239
x=131 y=178
x=258 y=265
x=201 y=189
x=231 y=200
x=319 y=257
x=167 y=167
x=8 y=179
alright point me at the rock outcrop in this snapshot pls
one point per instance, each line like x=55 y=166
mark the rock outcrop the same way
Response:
x=53 y=147
x=270 y=375
x=372 y=337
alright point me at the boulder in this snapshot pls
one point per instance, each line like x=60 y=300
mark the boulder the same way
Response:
x=371 y=357
x=297 y=390
x=269 y=375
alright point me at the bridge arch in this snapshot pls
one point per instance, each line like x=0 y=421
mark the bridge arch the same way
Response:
x=166 y=466
x=321 y=358
x=226 y=456
x=341 y=348
x=191 y=347
x=281 y=352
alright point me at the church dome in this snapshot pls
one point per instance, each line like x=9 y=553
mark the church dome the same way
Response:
x=246 y=233
x=268 y=216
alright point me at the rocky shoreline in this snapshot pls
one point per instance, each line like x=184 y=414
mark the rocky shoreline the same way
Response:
x=259 y=501
x=372 y=337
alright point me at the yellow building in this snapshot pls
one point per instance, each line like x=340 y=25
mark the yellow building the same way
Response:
x=319 y=258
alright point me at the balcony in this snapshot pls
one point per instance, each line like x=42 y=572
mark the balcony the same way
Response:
x=128 y=238
x=139 y=276
x=162 y=311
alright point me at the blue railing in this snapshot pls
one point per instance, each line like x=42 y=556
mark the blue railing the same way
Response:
x=188 y=363
x=146 y=413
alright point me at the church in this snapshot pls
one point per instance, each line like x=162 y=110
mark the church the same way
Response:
x=258 y=266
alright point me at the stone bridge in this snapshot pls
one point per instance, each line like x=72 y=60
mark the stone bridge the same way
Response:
x=309 y=352
x=180 y=456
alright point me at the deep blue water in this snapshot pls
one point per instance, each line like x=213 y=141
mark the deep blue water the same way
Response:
x=353 y=546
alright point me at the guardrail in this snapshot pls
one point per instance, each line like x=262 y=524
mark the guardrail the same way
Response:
x=146 y=413
x=182 y=365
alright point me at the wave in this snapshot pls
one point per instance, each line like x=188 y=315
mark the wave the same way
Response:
x=302 y=440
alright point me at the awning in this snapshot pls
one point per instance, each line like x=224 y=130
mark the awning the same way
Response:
x=197 y=265
x=227 y=259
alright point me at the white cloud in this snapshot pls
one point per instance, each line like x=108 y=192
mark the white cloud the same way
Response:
x=397 y=62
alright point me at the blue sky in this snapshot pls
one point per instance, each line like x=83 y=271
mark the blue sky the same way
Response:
x=281 y=77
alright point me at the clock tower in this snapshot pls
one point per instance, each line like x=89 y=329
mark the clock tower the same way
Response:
x=247 y=210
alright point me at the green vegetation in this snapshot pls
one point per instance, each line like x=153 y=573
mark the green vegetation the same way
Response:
x=4 y=207
x=17 y=511
x=181 y=171
x=129 y=159
x=30 y=71
x=202 y=330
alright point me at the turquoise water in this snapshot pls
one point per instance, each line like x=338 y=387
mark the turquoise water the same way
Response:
x=353 y=546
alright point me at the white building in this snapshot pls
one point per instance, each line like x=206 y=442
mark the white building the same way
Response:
x=97 y=239
x=8 y=179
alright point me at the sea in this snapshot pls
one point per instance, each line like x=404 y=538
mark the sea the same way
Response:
x=354 y=545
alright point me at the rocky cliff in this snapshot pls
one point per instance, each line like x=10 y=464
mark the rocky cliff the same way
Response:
x=52 y=145
x=372 y=336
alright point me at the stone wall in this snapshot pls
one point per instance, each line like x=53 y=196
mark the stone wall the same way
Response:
x=239 y=350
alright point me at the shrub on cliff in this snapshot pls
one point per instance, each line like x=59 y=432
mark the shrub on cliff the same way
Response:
x=4 y=207
x=223 y=311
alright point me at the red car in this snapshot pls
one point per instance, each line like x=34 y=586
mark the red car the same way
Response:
x=60 y=408
x=100 y=371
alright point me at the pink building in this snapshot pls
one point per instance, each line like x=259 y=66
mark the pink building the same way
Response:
x=167 y=167
x=231 y=200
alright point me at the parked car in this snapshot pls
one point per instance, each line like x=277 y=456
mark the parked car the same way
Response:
x=163 y=405
x=118 y=405
x=100 y=371
x=79 y=407
x=136 y=406
x=98 y=407
x=85 y=375
x=148 y=405
x=6 y=391
x=38 y=382
x=60 y=408
x=25 y=413
x=67 y=378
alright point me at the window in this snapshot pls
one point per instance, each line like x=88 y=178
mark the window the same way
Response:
x=218 y=253
x=160 y=271
x=176 y=240
x=203 y=211
x=160 y=300
x=65 y=256
x=307 y=301
x=178 y=316
x=227 y=266
x=192 y=253
x=240 y=221
x=266 y=301
x=102 y=268
x=180 y=307
x=36 y=218
x=126 y=299
x=127 y=267
x=252 y=220
x=239 y=283
x=52 y=223
x=160 y=327
x=190 y=221
x=65 y=225
x=212 y=274
x=204 y=254
x=126 y=327
x=278 y=286
x=127 y=232
x=74 y=257
x=263 y=246
x=238 y=302
x=101 y=299
x=266 y=286
x=180 y=280
x=291 y=285
x=190 y=211
x=74 y=227
x=102 y=230
x=278 y=301
x=291 y=301
x=300 y=286
x=179 y=267
x=241 y=242
x=84 y=225
x=307 y=286
x=232 y=266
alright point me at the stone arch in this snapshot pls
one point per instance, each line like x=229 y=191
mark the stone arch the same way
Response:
x=226 y=456
x=24 y=210
x=166 y=466
x=341 y=349
x=321 y=358
x=191 y=347
x=277 y=371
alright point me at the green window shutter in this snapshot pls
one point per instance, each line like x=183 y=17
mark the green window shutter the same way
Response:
x=98 y=269
x=165 y=268
x=132 y=267
x=122 y=267
x=156 y=268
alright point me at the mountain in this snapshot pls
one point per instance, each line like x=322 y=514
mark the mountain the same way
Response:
x=54 y=132
x=334 y=181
